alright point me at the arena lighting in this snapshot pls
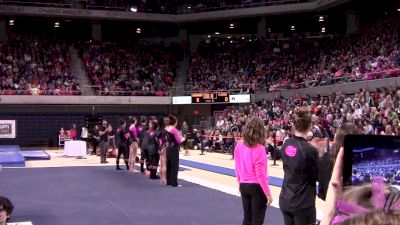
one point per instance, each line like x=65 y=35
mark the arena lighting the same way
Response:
x=11 y=23
x=321 y=19
x=269 y=30
x=133 y=9
x=323 y=30
x=208 y=36
x=242 y=38
x=398 y=10
x=217 y=33
x=292 y=28
x=229 y=37
x=189 y=7
x=57 y=24
x=231 y=26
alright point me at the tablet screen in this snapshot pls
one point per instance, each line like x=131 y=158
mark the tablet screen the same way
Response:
x=367 y=157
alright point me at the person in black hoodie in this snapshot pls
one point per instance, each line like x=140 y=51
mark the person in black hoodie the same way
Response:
x=122 y=137
x=141 y=131
x=300 y=166
x=151 y=138
x=327 y=161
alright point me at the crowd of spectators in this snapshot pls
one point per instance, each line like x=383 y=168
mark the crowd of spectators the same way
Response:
x=132 y=69
x=372 y=112
x=29 y=67
x=234 y=63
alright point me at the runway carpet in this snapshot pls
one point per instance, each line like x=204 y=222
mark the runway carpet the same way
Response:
x=104 y=196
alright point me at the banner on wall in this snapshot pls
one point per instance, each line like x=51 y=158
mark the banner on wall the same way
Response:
x=7 y=129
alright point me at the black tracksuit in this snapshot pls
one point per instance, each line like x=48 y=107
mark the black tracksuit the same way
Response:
x=297 y=198
x=150 y=146
x=141 y=130
x=172 y=158
x=122 y=137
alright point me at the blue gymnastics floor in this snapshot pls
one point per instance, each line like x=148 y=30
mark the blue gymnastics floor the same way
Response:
x=275 y=181
x=105 y=196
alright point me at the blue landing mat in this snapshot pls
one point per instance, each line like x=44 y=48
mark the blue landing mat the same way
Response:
x=9 y=148
x=275 y=181
x=35 y=155
x=105 y=196
x=12 y=159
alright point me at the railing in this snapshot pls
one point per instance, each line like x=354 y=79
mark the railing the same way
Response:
x=337 y=80
x=38 y=92
x=131 y=93
x=186 y=9
x=190 y=90
x=38 y=3
x=195 y=9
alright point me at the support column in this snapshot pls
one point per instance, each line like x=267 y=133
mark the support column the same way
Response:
x=3 y=30
x=353 y=22
x=96 y=31
x=262 y=27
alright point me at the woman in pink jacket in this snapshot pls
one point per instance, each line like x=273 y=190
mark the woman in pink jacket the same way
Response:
x=251 y=172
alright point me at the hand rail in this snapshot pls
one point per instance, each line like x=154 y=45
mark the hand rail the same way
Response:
x=183 y=9
x=194 y=9
x=130 y=93
x=346 y=79
x=39 y=92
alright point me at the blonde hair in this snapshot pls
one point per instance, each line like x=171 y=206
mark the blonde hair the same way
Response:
x=254 y=132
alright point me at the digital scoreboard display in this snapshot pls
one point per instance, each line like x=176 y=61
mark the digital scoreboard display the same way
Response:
x=212 y=97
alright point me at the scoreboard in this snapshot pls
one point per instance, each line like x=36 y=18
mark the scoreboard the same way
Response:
x=210 y=97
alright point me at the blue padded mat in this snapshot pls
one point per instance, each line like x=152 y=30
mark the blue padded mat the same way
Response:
x=12 y=159
x=35 y=155
x=275 y=181
x=9 y=148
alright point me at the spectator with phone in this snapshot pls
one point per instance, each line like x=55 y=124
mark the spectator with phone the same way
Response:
x=327 y=161
x=371 y=204
x=300 y=166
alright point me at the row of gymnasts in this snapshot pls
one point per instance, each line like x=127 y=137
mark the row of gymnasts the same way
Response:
x=159 y=147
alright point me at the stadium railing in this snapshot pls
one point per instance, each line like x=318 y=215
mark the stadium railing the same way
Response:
x=195 y=9
x=184 y=9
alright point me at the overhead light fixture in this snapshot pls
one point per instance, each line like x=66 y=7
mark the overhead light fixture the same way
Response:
x=242 y=38
x=321 y=19
x=217 y=33
x=323 y=30
x=231 y=41
x=138 y=30
x=208 y=36
x=189 y=7
x=133 y=9
x=292 y=28
x=269 y=30
x=231 y=26
x=57 y=24
x=398 y=10
x=229 y=37
x=11 y=22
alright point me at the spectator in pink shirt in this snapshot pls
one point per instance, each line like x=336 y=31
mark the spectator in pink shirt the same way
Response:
x=251 y=172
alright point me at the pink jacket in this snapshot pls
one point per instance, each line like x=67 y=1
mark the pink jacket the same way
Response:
x=251 y=165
